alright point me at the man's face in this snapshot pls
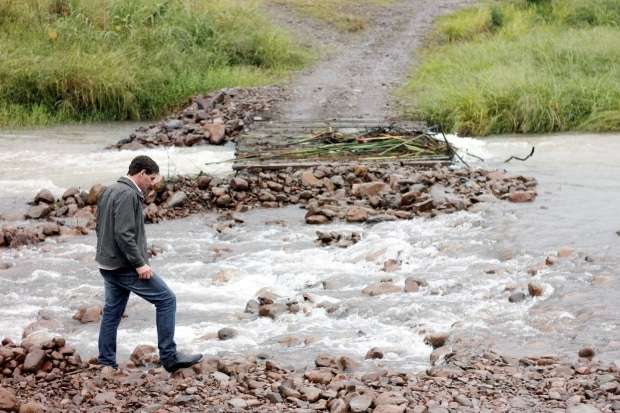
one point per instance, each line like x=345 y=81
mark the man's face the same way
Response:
x=147 y=181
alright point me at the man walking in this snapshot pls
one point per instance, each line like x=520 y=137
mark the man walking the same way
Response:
x=123 y=263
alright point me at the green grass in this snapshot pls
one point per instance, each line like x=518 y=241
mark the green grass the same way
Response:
x=521 y=66
x=83 y=60
x=344 y=15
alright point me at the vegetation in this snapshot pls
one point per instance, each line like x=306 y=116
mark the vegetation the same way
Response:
x=73 y=60
x=525 y=66
x=345 y=15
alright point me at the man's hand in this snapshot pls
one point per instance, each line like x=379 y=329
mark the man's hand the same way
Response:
x=144 y=272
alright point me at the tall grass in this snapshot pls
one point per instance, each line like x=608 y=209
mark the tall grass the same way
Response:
x=522 y=66
x=66 y=60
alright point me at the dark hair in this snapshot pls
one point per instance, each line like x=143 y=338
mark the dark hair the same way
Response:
x=143 y=162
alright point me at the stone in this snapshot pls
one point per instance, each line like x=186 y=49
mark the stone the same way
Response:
x=389 y=408
x=105 y=397
x=308 y=179
x=71 y=192
x=535 y=289
x=34 y=360
x=436 y=340
x=203 y=182
x=226 y=333
x=143 y=354
x=516 y=297
x=319 y=376
x=176 y=199
x=239 y=184
x=522 y=196
x=217 y=133
x=586 y=352
x=582 y=408
x=173 y=124
x=311 y=394
x=90 y=314
x=44 y=196
x=369 y=189
x=360 y=404
x=317 y=219
x=337 y=406
x=50 y=228
x=412 y=285
x=39 y=211
x=374 y=353
x=8 y=400
x=31 y=407
x=391 y=265
x=237 y=403
x=390 y=397
x=94 y=193
x=381 y=288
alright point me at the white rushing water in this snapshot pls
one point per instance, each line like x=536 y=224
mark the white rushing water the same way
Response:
x=467 y=258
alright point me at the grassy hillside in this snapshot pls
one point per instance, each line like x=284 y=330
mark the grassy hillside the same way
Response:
x=72 y=60
x=522 y=66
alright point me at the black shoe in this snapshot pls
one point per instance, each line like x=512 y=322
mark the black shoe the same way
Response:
x=181 y=361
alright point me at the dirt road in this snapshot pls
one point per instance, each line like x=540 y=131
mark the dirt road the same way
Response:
x=358 y=73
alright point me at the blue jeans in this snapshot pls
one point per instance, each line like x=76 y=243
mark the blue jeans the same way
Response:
x=119 y=284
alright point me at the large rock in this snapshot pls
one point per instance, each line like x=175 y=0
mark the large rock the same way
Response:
x=390 y=397
x=39 y=211
x=360 y=404
x=308 y=178
x=239 y=184
x=226 y=333
x=90 y=314
x=144 y=354
x=44 y=196
x=369 y=189
x=522 y=196
x=317 y=219
x=582 y=408
x=381 y=288
x=357 y=214
x=176 y=199
x=319 y=376
x=94 y=193
x=8 y=401
x=390 y=408
x=217 y=133
x=535 y=289
x=34 y=360
x=71 y=192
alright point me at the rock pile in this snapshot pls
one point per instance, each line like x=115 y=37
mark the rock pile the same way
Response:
x=463 y=380
x=354 y=193
x=213 y=119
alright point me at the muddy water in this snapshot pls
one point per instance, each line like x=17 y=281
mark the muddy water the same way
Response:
x=467 y=258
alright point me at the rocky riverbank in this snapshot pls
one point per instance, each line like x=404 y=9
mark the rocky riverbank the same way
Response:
x=354 y=193
x=50 y=376
x=208 y=120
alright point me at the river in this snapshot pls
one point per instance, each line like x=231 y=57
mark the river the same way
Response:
x=468 y=259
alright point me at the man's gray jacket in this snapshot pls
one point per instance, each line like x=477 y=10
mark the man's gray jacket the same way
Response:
x=121 y=240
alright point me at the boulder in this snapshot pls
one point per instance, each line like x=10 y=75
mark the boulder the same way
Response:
x=8 y=401
x=203 y=182
x=71 y=192
x=31 y=407
x=535 y=289
x=321 y=376
x=522 y=196
x=436 y=340
x=176 y=199
x=317 y=219
x=44 y=196
x=144 y=354
x=90 y=314
x=369 y=189
x=308 y=178
x=239 y=184
x=39 y=211
x=217 y=133
x=516 y=297
x=34 y=360
x=94 y=193
x=226 y=333
x=360 y=404
x=357 y=214
x=374 y=353
x=381 y=288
